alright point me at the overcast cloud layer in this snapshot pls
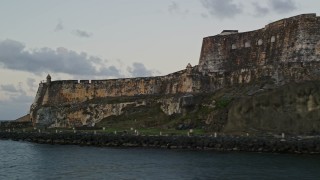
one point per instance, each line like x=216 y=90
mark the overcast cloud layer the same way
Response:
x=283 y=6
x=222 y=9
x=17 y=101
x=231 y=8
x=46 y=60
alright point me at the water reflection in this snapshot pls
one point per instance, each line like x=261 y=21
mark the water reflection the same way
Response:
x=21 y=160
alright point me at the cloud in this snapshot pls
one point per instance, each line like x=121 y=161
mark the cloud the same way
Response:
x=14 y=56
x=10 y=88
x=283 y=6
x=22 y=98
x=139 y=70
x=31 y=84
x=277 y=6
x=204 y=15
x=13 y=110
x=81 y=33
x=59 y=27
x=259 y=10
x=111 y=71
x=222 y=8
x=13 y=93
x=16 y=102
x=174 y=8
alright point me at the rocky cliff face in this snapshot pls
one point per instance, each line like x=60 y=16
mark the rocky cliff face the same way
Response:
x=91 y=112
x=293 y=108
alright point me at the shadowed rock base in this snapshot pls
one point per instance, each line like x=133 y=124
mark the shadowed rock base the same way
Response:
x=309 y=145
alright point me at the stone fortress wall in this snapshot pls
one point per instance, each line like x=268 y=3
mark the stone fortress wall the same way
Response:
x=294 y=39
x=286 y=50
x=75 y=91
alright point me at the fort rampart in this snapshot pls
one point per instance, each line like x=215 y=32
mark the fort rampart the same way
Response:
x=294 y=39
x=57 y=92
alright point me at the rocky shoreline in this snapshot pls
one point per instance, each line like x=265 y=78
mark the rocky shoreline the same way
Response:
x=221 y=143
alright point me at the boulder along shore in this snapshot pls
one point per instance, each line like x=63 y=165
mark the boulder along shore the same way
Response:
x=310 y=145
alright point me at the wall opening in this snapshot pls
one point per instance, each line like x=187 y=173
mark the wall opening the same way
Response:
x=247 y=44
x=273 y=39
x=260 y=42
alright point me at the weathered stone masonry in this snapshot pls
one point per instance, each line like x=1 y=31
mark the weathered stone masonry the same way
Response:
x=295 y=39
x=284 y=51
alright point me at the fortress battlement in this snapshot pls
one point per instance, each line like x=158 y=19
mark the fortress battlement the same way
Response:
x=120 y=80
x=283 y=22
x=294 y=39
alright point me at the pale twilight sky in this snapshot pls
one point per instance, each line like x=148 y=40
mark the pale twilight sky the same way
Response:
x=101 y=39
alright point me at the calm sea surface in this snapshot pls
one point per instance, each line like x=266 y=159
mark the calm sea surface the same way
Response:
x=22 y=160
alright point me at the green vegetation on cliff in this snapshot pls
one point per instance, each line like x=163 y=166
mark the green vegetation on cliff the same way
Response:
x=256 y=108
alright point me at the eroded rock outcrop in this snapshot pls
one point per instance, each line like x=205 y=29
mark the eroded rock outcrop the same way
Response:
x=293 y=108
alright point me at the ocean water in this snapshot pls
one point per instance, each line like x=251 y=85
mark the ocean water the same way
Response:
x=23 y=160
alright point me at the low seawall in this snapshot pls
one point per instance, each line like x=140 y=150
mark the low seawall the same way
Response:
x=225 y=143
